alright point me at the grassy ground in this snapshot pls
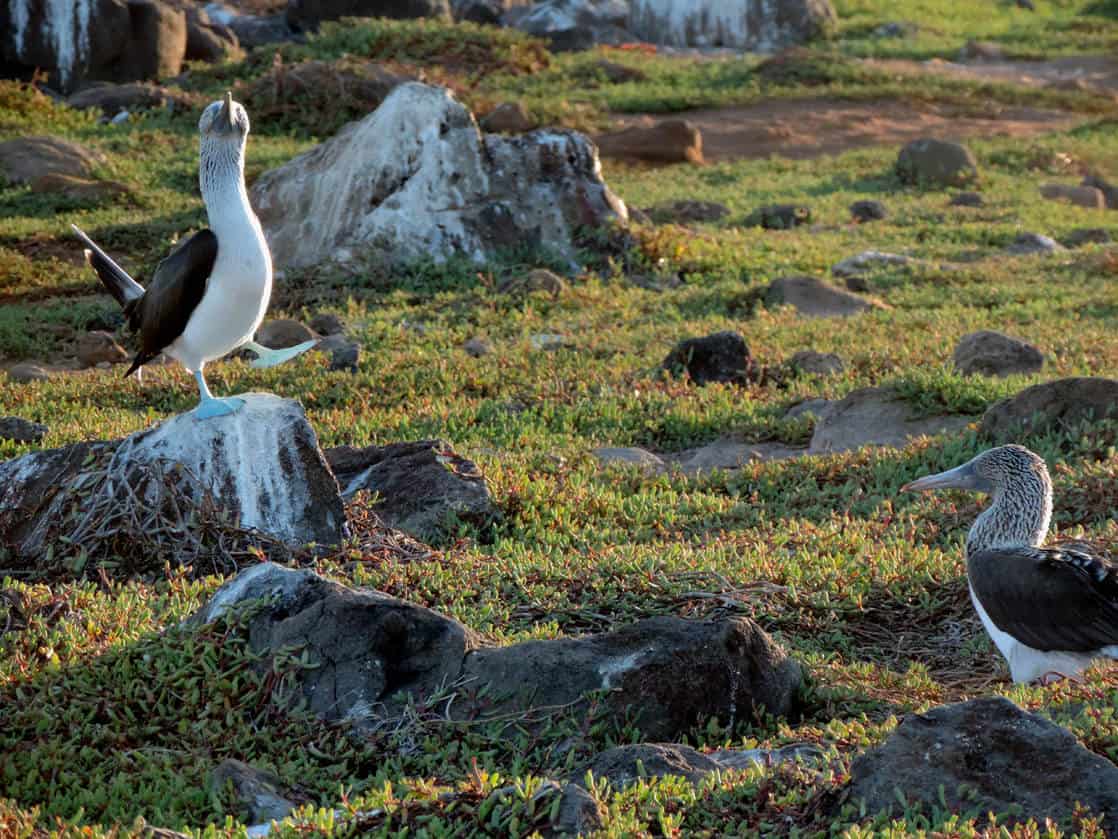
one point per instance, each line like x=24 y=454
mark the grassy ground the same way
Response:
x=108 y=714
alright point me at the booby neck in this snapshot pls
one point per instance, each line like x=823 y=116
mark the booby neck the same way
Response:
x=1018 y=516
x=221 y=176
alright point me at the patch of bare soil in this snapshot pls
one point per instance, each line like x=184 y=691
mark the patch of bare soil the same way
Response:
x=1077 y=72
x=807 y=128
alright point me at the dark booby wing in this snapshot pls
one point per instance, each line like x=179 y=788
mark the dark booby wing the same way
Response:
x=175 y=290
x=1060 y=598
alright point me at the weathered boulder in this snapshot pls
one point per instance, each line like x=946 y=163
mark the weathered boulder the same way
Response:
x=262 y=466
x=156 y=46
x=985 y=756
x=876 y=416
x=1089 y=197
x=815 y=363
x=779 y=216
x=573 y=24
x=113 y=98
x=258 y=796
x=417 y=179
x=624 y=765
x=24 y=159
x=721 y=357
x=423 y=488
x=1026 y=244
x=756 y=25
x=667 y=141
x=27 y=371
x=508 y=118
x=85 y=190
x=729 y=454
x=480 y=11
x=868 y=210
x=207 y=40
x=993 y=354
x=814 y=298
x=649 y=670
x=99 y=347
x=282 y=333
x=308 y=14
x=930 y=162
x=1051 y=406
x=21 y=430
x=371 y=653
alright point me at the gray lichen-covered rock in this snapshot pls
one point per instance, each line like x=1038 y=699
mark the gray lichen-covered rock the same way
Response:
x=21 y=430
x=572 y=24
x=760 y=25
x=369 y=654
x=985 y=756
x=721 y=357
x=423 y=487
x=991 y=353
x=258 y=796
x=417 y=179
x=1051 y=406
x=936 y=163
x=261 y=465
x=814 y=298
x=875 y=416
x=25 y=159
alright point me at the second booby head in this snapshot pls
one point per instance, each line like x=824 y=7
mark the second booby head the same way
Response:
x=209 y=296
x=1050 y=611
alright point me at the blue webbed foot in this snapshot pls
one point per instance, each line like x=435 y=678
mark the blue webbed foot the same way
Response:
x=267 y=357
x=214 y=407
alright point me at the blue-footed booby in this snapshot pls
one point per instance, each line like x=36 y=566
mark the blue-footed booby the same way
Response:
x=1050 y=611
x=209 y=296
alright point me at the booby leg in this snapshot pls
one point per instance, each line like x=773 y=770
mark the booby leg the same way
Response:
x=267 y=357
x=212 y=406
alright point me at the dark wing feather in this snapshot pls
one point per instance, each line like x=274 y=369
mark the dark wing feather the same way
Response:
x=1060 y=598
x=175 y=290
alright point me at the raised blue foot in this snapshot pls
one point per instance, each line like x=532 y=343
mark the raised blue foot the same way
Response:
x=267 y=357
x=218 y=407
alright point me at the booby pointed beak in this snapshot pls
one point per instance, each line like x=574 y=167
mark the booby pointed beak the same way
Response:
x=961 y=477
x=225 y=115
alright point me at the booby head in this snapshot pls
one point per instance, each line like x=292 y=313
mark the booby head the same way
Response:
x=224 y=119
x=223 y=132
x=1017 y=480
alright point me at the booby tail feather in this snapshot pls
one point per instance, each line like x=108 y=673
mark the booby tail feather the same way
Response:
x=122 y=287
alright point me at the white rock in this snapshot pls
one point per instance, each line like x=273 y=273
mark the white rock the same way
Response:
x=417 y=179
x=743 y=24
x=858 y=264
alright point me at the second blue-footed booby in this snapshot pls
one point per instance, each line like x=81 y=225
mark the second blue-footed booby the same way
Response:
x=209 y=296
x=1050 y=611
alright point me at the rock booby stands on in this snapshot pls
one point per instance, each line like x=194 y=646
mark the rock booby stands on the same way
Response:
x=209 y=296
x=1050 y=611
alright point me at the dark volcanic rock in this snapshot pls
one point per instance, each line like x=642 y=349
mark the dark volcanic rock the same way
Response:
x=936 y=163
x=1051 y=406
x=687 y=212
x=984 y=756
x=21 y=430
x=779 y=216
x=369 y=654
x=1087 y=236
x=721 y=357
x=994 y=354
x=259 y=796
x=966 y=199
x=261 y=465
x=864 y=211
x=817 y=363
x=508 y=118
x=1108 y=190
x=308 y=14
x=572 y=24
x=480 y=11
x=423 y=487
x=650 y=670
x=156 y=44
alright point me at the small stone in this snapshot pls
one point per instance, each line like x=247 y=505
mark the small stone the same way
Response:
x=259 y=796
x=538 y=279
x=896 y=29
x=507 y=118
x=1087 y=236
x=930 y=162
x=477 y=347
x=863 y=211
x=966 y=199
x=629 y=457
x=779 y=216
x=1109 y=191
x=27 y=372
x=981 y=51
x=98 y=347
x=1080 y=196
x=687 y=212
x=814 y=298
x=808 y=408
x=721 y=357
x=669 y=141
x=1033 y=243
x=816 y=363
x=21 y=430
x=549 y=341
x=993 y=354
x=327 y=323
x=866 y=261
x=345 y=353
x=283 y=333
x=619 y=73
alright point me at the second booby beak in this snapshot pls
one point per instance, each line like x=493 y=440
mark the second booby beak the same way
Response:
x=961 y=477
x=225 y=115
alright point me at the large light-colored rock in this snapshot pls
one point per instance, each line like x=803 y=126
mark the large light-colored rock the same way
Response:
x=261 y=465
x=876 y=416
x=417 y=179
x=762 y=25
x=572 y=24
